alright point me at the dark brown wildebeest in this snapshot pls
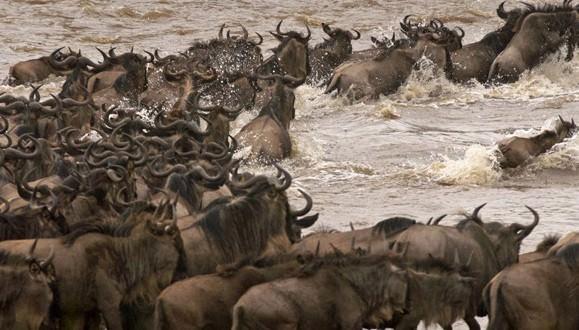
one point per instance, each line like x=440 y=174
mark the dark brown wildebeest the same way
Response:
x=205 y=302
x=290 y=57
x=538 y=295
x=35 y=70
x=257 y=221
x=332 y=292
x=102 y=266
x=540 y=32
x=437 y=294
x=473 y=61
x=268 y=134
x=328 y=55
x=516 y=151
x=541 y=250
x=384 y=74
x=25 y=290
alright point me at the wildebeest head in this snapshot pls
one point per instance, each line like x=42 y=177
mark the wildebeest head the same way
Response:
x=25 y=283
x=281 y=104
x=565 y=129
x=506 y=239
x=340 y=39
x=291 y=55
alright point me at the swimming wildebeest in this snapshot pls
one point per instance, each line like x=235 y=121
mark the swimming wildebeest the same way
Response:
x=385 y=73
x=540 y=32
x=25 y=290
x=473 y=61
x=268 y=134
x=516 y=151
x=57 y=63
x=540 y=295
x=326 y=56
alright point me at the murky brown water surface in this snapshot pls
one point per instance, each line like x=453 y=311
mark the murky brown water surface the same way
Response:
x=359 y=165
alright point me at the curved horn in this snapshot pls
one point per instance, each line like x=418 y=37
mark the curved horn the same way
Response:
x=501 y=11
x=245 y=33
x=278 y=29
x=307 y=208
x=220 y=34
x=66 y=63
x=48 y=259
x=308 y=221
x=461 y=35
x=309 y=33
x=474 y=216
x=437 y=220
x=260 y=40
x=524 y=231
x=358 y=34
x=32 y=248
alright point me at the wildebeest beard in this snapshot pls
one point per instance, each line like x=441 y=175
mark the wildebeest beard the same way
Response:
x=242 y=226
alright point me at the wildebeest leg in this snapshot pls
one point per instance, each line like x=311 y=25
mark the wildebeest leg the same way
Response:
x=472 y=323
x=109 y=301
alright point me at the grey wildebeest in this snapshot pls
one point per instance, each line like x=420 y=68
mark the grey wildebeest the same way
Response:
x=540 y=32
x=257 y=221
x=473 y=61
x=385 y=73
x=35 y=70
x=326 y=56
x=103 y=266
x=206 y=302
x=539 y=295
x=25 y=290
x=516 y=151
x=268 y=134
x=332 y=292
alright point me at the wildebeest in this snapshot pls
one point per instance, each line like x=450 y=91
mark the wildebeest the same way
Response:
x=206 y=301
x=385 y=73
x=540 y=32
x=541 y=250
x=101 y=267
x=326 y=56
x=543 y=294
x=57 y=63
x=516 y=151
x=257 y=221
x=25 y=290
x=268 y=134
x=473 y=61
x=333 y=292
x=290 y=57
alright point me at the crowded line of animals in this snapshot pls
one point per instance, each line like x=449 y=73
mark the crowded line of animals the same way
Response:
x=153 y=226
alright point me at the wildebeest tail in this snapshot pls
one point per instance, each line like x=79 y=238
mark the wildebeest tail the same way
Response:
x=493 y=300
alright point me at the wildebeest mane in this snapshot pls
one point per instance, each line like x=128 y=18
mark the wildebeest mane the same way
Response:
x=111 y=227
x=392 y=226
x=570 y=255
x=547 y=242
x=239 y=227
x=11 y=259
x=546 y=8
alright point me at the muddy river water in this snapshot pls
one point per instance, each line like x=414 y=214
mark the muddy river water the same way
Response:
x=424 y=151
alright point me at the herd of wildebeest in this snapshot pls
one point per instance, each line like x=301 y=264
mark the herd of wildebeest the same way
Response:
x=114 y=220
